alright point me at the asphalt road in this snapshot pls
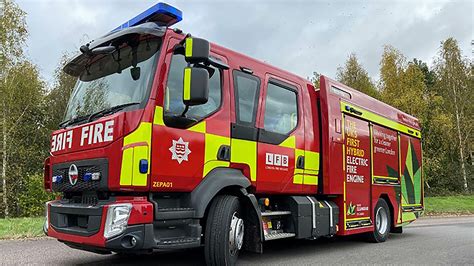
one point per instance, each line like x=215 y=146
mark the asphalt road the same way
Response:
x=427 y=241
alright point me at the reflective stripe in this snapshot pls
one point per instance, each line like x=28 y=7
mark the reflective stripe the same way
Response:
x=289 y=142
x=310 y=180
x=140 y=153
x=189 y=47
x=311 y=160
x=158 y=116
x=187 y=84
x=212 y=145
x=136 y=147
x=127 y=167
x=298 y=174
x=367 y=115
x=245 y=152
x=358 y=219
x=313 y=211
x=298 y=179
x=330 y=214
x=199 y=127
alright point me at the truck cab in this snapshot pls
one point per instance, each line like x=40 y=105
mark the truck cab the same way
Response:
x=173 y=142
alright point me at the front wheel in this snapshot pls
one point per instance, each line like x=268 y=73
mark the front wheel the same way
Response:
x=224 y=234
x=382 y=222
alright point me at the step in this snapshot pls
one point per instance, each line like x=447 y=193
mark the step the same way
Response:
x=274 y=236
x=174 y=213
x=181 y=242
x=275 y=213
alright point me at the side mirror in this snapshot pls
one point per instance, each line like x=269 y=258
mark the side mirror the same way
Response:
x=196 y=50
x=196 y=86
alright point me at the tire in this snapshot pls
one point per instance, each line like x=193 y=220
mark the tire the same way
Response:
x=224 y=219
x=382 y=222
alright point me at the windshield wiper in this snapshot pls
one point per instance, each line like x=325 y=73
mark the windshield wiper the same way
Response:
x=101 y=113
x=110 y=110
x=74 y=120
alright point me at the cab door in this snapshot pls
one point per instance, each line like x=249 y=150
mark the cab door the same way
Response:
x=280 y=144
x=186 y=143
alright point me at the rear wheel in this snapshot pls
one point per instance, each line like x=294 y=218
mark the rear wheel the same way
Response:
x=224 y=231
x=382 y=222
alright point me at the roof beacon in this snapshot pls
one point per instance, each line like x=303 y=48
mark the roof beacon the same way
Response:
x=162 y=13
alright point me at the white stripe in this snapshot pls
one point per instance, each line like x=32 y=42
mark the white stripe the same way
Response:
x=330 y=213
x=314 y=211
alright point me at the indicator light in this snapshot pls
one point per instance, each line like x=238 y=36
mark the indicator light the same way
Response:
x=96 y=176
x=143 y=166
x=267 y=202
x=57 y=178
x=163 y=14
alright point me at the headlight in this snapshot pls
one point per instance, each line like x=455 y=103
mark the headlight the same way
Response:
x=117 y=219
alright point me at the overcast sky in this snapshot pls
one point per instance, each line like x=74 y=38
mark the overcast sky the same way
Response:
x=298 y=36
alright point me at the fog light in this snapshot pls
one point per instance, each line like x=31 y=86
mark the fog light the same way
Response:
x=117 y=219
x=133 y=241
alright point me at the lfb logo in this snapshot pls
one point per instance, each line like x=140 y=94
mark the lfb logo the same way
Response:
x=73 y=174
x=180 y=150
x=276 y=159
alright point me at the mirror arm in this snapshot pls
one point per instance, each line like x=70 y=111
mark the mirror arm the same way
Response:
x=186 y=108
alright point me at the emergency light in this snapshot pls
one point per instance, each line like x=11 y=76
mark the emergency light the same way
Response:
x=161 y=13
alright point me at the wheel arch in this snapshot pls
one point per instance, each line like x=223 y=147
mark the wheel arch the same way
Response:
x=385 y=197
x=228 y=181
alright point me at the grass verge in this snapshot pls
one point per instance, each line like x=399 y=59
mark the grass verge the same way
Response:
x=15 y=228
x=451 y=205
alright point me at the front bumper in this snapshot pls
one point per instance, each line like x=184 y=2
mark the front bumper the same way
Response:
x=82 y=227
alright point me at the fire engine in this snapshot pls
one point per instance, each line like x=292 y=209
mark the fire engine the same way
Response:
x=172 y=142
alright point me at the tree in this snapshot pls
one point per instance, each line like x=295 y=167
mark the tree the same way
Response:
x=402 y=84
x=315 y=79
x=454 y=83
x=13 y=34
x=57 y=99
x=354 y=75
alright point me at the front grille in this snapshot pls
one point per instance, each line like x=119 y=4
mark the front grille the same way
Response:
x=89 y=166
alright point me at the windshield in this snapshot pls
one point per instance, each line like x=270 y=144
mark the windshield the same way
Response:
x=116 y=79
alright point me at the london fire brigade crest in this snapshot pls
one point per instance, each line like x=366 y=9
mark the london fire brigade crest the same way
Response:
x=180 y=150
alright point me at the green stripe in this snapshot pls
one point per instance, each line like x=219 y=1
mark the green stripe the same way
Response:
x=189 y=47
x=187 y=84
x=378 y=119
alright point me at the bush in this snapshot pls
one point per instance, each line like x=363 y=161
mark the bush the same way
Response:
x=32 y=201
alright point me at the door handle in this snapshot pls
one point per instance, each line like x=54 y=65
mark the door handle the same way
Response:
x=300 y=162
x=223 y=153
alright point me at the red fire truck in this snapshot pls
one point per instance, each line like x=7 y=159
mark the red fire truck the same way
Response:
x=170 y=142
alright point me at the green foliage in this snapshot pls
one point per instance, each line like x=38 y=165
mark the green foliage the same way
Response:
x=456 y=204
x=15 y=228
x=13 y=34
x=315 y=80
x=57 y=99
x=31 y=201
x=354 y=75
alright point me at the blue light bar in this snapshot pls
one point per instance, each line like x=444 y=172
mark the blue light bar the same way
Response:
x=162 y=13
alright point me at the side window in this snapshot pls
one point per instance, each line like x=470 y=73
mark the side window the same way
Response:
x=281 y=111
x=246 y=97
x=174 y=91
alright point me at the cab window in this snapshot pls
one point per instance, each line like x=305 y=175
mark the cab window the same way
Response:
x=281 y=111
x=246 y=97
x=173 y=102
